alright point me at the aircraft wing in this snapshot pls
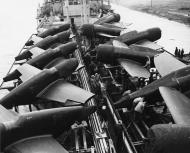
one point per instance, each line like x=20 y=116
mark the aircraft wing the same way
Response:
x=122 y=25
x=111 y=25
x=144 y=49
x=36 y=39
x=7 y=115
x=40 y=30
x=126 y=34
x=27 y=71
x=136 y=47
x=149 y=44
x=105 y=35
x=36 y=51
x=61 y=91
x=38 y=144
x=114 y=25
x=134 y=69
x=166 y=63
x=117 y=43
x=178 y=104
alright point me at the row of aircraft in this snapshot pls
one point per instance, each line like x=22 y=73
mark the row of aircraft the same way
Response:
x=48 y=65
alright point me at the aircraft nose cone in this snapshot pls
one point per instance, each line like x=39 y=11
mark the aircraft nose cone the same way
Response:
x=117 y=17
x=91 y=109
x=63 y=36
x=88 y=111
x=66 y=67
x=105 y=53
x=67 y=48
x=87 y=29
x=154 y=34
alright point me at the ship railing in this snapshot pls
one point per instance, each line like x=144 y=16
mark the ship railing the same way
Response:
x=14 y=63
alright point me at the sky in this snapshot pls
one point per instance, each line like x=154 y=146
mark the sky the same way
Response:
x=17 y=23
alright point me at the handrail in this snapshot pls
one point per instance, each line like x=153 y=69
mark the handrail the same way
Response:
x=15 y=60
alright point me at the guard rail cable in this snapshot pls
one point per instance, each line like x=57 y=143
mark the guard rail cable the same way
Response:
x=24 y=47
